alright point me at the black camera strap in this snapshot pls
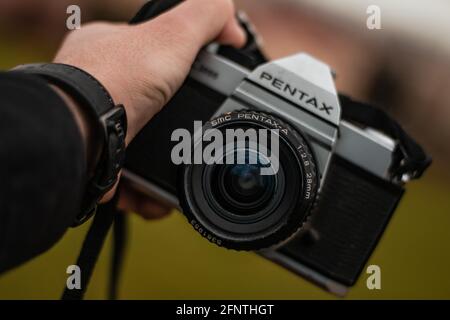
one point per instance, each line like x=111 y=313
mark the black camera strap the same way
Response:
x=249 y=55
x=152 y=9
x=92 y=245
x=413 y=160
x=108 y=214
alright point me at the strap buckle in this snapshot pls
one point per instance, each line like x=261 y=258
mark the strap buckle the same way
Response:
x=408 y=167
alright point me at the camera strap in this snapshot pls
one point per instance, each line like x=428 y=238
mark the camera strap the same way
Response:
x=106 y=216
x=249 y=55
x=413 y=160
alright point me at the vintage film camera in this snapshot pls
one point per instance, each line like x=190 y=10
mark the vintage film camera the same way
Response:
x=343 y=164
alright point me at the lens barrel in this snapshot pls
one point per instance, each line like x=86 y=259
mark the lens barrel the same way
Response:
x=259 y=189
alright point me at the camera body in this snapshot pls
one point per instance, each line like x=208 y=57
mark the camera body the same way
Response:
x=339 y=189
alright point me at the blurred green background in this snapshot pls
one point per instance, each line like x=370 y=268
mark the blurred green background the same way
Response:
x=168 y=260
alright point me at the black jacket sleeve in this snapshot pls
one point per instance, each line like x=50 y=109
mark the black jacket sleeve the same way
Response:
x=42 y=168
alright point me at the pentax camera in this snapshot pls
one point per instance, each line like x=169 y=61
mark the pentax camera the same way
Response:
x=341 y=165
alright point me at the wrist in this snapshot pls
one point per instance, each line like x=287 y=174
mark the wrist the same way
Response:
x=91 y=100
x=130 y=92
x=87 y=128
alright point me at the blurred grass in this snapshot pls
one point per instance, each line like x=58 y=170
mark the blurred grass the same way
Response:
x=167 y=260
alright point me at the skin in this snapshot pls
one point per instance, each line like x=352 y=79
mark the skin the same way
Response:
x=143 y=66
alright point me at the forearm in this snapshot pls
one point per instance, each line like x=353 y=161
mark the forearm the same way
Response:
x=43 y=170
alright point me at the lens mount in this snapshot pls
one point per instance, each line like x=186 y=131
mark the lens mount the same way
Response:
x=234 y=204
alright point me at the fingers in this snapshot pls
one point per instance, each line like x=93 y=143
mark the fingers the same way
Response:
x=202 y=21
x=232 y=34
x=162 y=52
x=132 y=200
x=110 y=194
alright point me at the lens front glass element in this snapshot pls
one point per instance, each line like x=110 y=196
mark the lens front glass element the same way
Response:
x=241 y=188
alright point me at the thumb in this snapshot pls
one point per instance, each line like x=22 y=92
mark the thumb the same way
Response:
x=199 y=22
x=174 y=40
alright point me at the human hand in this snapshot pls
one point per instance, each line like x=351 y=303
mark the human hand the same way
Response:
x=132 y=200
x=143 y=66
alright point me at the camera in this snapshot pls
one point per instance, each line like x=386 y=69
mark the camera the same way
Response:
x=341 y=165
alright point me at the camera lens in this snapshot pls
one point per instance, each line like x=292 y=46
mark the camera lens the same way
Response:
x=245 y=187
x=261 y=197
x=240 y=190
